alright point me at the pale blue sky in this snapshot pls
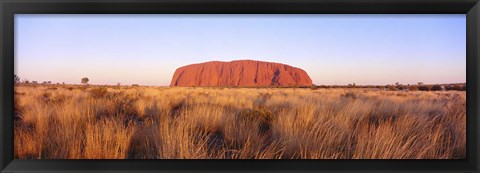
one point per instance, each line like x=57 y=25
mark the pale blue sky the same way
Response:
x=332 y=49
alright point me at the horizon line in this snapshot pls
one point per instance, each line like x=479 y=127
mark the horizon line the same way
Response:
x=94 y=84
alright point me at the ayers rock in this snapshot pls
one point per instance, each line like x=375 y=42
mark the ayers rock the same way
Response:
x=240 y=73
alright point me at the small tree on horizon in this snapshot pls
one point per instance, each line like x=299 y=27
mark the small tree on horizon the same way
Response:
x=85 y=81
x=16 y=79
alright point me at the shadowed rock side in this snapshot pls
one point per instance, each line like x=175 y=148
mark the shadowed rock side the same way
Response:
x=240 y=73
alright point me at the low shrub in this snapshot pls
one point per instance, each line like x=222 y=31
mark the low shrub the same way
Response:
x=413 y=88
x=392 y=88
x=424 y=88
x=456 y=87
x=436 y=88
x=349 y=94
x=263 y=114
x=98 y=92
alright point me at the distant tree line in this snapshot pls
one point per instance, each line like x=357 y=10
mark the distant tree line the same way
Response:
x=17 y=80
x=420 y=86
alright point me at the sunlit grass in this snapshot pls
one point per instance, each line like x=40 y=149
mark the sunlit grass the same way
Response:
x=93 y=122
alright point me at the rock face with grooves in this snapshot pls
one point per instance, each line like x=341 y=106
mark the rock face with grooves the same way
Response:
x=243 y=73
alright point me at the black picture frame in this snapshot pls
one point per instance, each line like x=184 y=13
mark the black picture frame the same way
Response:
x=8 y=8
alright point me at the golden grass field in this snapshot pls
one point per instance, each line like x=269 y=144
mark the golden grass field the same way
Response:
x=76 y=122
